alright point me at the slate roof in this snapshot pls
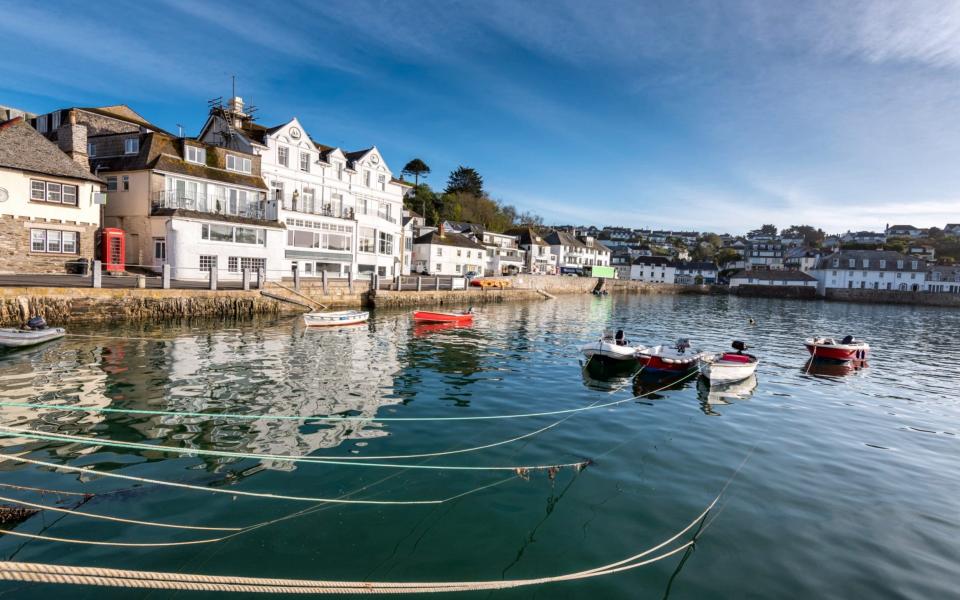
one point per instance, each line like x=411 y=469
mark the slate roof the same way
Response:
x=24 y=148
x=562 y=238
x=122 y=112
x=771 y=275
x=449 y=239
x=874 y=257
x=527 y=236
x=655 y=261
x=696 y=265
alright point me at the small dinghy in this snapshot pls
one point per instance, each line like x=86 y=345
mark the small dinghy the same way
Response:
x=829 y=349
x=336 y=318
x=35 y=332
x=426 y=316
x=610 y=349
x=670 y=361
x=728 y=367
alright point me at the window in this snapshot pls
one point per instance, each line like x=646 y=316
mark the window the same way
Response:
x=53 y=241
x=69 y=195
x=439 y=251
x=382 y=271
x=111 y=184
x=459 y=252
x=235 y=264
x=159 y=250
x=38 y=190
x=457 y=268
x=366 y=178
x=239 y=163
x=208 y=262
x=131 y=145
x=914 y=264
x=386 y=243
x=883 y=264
x=196 y=155
x=438 y=267
x=228 y=233
x=836 y=262
x=367 y=240
x=899 y=264
x=38 y=240
x=305 y=162
x=91 y=149
x=42 y=123
x=382 y=180
x=55 y=120
x=853 y=262
x=866 y=263
x=125 y=183
x=283 y=156
x=53 y=192
x=340 y=171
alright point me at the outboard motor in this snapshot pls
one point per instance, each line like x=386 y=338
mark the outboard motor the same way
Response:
x=847 y=340
x=36 y=323
x=682 y=345
x=739 y=346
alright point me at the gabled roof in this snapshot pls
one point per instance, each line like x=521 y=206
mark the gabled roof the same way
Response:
x=24 y=148
x=526 y=236
x=656 y=261
x=123 y=112
x=873 y=258
x=448 y=239
x=562 y=238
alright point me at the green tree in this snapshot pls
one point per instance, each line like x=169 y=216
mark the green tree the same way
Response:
x=726 y=256
x=416 y=168
x=811 y=236
x=465 y=180
x=421 y=199
x=770 y=230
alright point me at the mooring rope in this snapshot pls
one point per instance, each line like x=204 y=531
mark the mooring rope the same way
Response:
x=308 y=419
x=49 y=538
x=313 y=499
x=116 y=519
x=47 y=573
x=43 y=490
x=59 y=437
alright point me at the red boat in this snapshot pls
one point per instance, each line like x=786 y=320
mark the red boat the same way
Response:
x=675 y=360
x=829 y=349
x=425 y=316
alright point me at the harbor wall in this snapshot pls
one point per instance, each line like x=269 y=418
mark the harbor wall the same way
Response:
x=385 y=299
x=893 y=297
x=796 y=292
x=338 y=293
x=64 y=305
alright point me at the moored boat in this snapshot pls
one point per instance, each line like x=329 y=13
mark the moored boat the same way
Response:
x=336 y=318
x=426 y=316
x=610 y=349
x=675 y=360
x=829 y=349
x=35 y=332
x=727 y=367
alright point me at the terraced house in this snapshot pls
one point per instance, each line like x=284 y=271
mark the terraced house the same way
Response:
x=181 y=202
x=342 y=210
x=48 y=211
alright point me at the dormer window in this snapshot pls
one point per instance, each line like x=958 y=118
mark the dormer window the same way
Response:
x=239 y=164
x=914 y=265
x=131 y=145
x=196 y=155
x=883 y=264
x=305 y=162
x=853 y=262
x=899 y=264
x=836 y=262
x=866 y=263
x=283 y=156
x=382 y=180
x=91 y=149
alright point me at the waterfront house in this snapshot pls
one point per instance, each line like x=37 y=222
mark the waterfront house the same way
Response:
x=575 y=253
x=653 y=269
x=942 y=279
x=870 y=270
x=444 y=252
x=694 y=272
x=764 y=255
x=539 y=257
x=344 y=209
x=769 y=277
x=952 y=229
x=48 y=211
x=863 y=237
x=504 y=255
x=621 y=260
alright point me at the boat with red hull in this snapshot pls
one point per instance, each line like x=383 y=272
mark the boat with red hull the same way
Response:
x=669 y=360
x=845 y=350
x=425 y=316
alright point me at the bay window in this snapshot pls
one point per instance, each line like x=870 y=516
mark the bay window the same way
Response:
x=367 y=240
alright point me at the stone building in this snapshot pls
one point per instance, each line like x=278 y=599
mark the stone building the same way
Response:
x=48 y=214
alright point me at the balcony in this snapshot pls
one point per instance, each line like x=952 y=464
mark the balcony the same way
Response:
x=305 y=205
x=260 y=210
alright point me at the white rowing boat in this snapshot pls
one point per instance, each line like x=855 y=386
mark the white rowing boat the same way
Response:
x=20 y=338
x=336 y=318
x=727 y=367
x=610 y=349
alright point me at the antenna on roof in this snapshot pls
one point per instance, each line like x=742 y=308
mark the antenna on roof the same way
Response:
x=233 y=86
x=180 y=128
x=215 y=102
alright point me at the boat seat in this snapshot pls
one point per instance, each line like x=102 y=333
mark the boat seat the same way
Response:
x=739 y=358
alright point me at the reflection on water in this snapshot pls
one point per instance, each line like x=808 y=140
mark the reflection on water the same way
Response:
x=840 y=457
x=833 y=368
x=717 y=395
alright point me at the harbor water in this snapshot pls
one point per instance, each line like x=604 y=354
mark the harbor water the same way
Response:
x=834 y=481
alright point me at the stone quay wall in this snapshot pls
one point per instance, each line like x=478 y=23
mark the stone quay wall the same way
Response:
x=337 y=295
x=64 y=305
x=893 y=297
x=796 y=292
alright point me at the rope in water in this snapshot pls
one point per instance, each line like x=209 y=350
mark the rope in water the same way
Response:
x=59 y=437
x=313 y=499
x=42 y=490
x=47 y=573
x=308 y=419
x=115 y=519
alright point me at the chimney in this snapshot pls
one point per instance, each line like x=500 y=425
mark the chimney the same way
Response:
x=72 y=139
x=441 y=230
x=236 y=111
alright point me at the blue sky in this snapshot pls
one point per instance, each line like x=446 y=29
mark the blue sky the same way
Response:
x=709 y=115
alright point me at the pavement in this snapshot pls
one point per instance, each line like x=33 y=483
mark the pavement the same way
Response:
x=107 y=281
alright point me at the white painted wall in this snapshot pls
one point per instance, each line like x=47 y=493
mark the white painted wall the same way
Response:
x=437 y=259
x=185 y=245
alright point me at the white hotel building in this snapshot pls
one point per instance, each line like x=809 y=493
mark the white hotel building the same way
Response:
x=870 y=270
x=342 y=210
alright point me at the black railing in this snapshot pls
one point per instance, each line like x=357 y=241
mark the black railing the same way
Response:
x=217 y=205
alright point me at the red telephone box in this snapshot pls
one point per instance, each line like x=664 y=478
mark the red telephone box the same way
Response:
x=112 y=249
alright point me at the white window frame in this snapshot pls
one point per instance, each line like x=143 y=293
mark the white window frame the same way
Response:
x=283 y=156
x=196 y=155
x=240 y=164
x=305 y=161
x=131 y=146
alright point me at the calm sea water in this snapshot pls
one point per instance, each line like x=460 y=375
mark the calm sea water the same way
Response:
x=849 y=485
